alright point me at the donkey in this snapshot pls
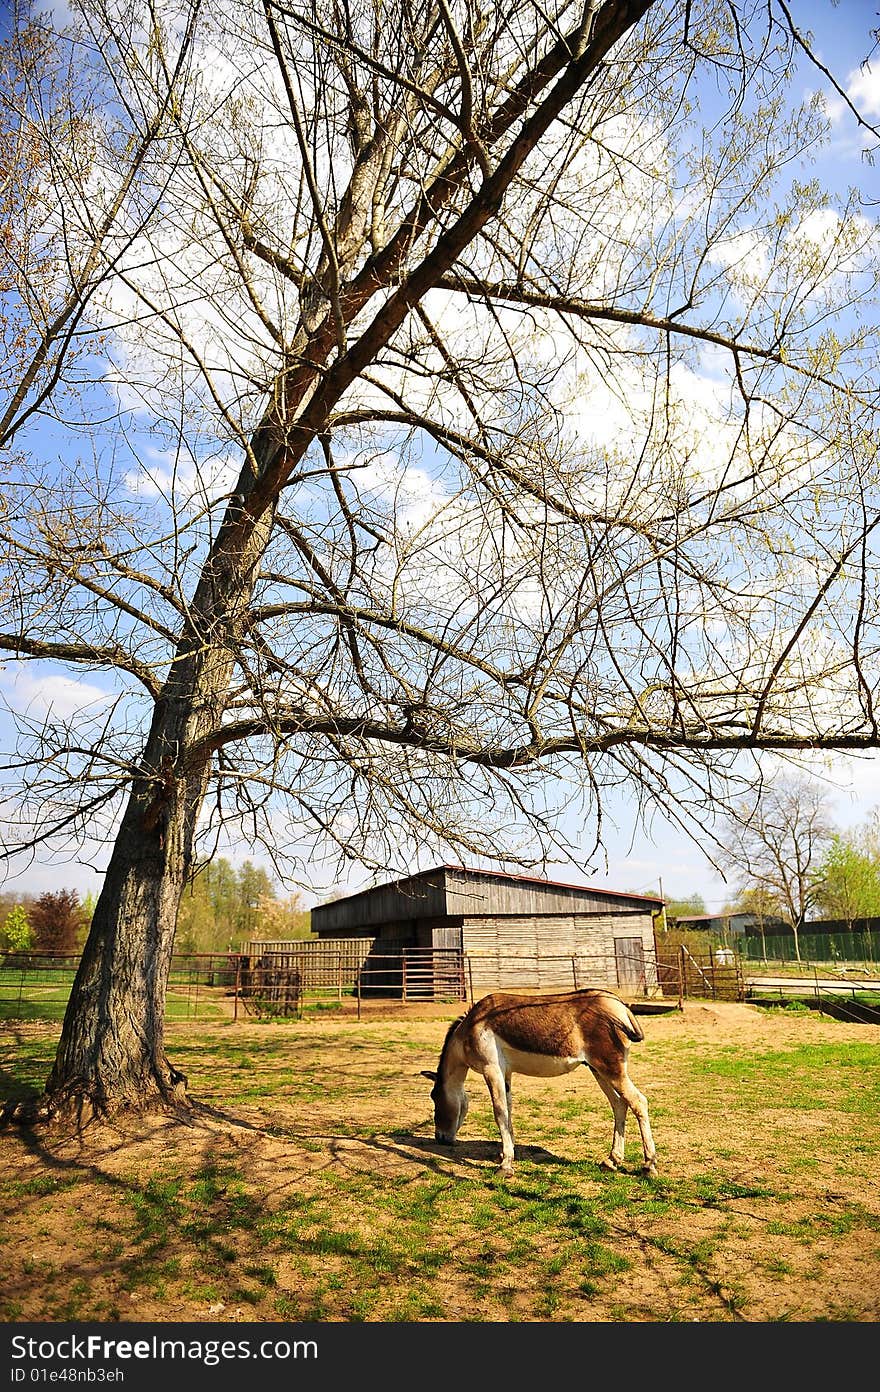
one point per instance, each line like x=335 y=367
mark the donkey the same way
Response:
x=543 y=1036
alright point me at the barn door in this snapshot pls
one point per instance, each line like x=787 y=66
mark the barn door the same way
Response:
x=629 y=956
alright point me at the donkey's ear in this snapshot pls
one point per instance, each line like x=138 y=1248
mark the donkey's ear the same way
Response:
x=427 y=1073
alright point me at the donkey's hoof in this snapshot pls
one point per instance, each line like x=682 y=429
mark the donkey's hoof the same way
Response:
x=505 y=1171
x=650 y=1169
x=608 y=1164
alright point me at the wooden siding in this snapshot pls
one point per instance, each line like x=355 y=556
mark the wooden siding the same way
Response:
x=541 y=952
x=420 y=896
x=473 y=895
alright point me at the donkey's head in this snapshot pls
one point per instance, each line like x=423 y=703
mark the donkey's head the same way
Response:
x=450 y=1107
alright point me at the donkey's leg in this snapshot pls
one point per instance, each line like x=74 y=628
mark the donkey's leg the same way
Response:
x=638 y=1105
x=499 y=1091
x=619 y=1108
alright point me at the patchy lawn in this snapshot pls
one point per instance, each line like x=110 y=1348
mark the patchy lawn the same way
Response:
x=309 y=1187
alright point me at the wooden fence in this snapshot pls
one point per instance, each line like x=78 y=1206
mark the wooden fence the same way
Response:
x=354 y=967
x=273 y=979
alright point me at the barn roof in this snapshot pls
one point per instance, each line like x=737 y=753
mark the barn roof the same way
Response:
x=551 y=884
x=442 y=891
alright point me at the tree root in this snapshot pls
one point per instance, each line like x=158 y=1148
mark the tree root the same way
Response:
x=77 y=1105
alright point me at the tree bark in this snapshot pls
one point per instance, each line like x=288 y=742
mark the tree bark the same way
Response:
x=111 y=1054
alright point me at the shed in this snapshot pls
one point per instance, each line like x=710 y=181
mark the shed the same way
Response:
x=507 y=930
x=733 y=925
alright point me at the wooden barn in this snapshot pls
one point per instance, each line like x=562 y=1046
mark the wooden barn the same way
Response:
x=489 y=929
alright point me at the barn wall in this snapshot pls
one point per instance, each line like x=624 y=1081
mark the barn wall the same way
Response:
x=563 y=951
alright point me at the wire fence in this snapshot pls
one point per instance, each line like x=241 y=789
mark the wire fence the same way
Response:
x=282 y=984
x=36 y=985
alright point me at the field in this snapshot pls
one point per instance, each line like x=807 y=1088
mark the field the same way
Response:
x=309 y=1186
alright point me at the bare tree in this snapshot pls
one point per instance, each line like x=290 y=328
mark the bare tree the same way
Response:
x=422 y=418
x=778 y=841
x=762 y=903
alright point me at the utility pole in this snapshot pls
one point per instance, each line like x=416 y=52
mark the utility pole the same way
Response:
x=664 y=924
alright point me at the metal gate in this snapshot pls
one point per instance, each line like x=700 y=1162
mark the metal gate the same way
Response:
x=432 y=973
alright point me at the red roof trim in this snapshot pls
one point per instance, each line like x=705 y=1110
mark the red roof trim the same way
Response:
x=552 y=884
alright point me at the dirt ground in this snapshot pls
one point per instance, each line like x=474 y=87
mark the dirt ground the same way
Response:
x=790 y=1230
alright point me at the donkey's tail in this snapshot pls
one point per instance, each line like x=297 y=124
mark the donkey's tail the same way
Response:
x=632 y=1029
x=617 y=1014
x=626 y=1022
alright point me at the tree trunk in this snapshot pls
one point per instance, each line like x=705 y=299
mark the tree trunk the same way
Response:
x=111 y=1054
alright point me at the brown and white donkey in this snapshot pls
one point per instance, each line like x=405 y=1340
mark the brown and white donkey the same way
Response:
x=542 y=1036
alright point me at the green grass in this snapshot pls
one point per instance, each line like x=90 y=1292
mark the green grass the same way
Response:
x=438 y=1242
x=802 y=1076
x=43 y=995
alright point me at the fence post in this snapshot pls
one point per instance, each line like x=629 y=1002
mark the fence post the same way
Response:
x=358 y=981
x=237 y=985
x=681 y=978
x=470 y=972
x=818 y=995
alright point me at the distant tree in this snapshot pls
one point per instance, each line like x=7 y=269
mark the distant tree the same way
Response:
x=17 y=935
x=775 y=843
x=255 y=888
x=285 y=918
x=57 y=921
x=220 y=879
x=849 y=881
x=764 y=906
x=684 y=908
x=196 y=921
x=222 y=907
x=10 y=901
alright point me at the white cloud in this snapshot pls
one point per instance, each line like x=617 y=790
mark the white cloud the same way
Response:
x=853 y=138
x=851 y=782
x=863 y=90
x=746 y=256
x=182 y=481
x=862 y=87
x=53 y=695
x=414 y=495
